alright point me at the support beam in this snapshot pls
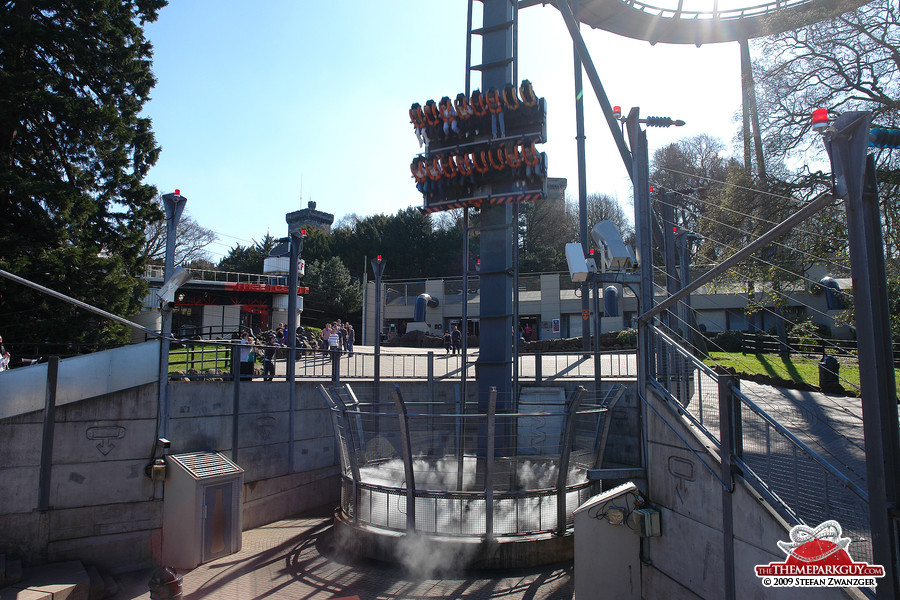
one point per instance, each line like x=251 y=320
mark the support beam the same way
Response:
x=817 y=204
x=594 y=78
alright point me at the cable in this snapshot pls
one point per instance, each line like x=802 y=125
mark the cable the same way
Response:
x=747 y=215
x=791 y=248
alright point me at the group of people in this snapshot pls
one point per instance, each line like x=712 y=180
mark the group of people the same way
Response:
x=453 y=340
x=454 y=173
x=466 y=117
x=338 y=337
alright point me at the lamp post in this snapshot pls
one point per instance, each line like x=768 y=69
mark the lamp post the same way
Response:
x=174 y=207
x=378 y=269
x=296 y=242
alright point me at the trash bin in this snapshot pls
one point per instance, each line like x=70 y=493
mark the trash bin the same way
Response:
x=828 y=373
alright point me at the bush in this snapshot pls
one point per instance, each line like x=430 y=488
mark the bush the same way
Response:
x=808 y=333
x=627 y=337
x=728 y=341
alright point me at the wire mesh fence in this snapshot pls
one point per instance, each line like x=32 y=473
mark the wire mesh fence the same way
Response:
x=467 y=470
x=804 y=486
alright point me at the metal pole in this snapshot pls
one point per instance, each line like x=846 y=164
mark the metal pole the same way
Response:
x=365 y=291
x=489 y=464
x=642 y=221
x=47 y=434
x=854 y=173
x=296 y=244
x=595 y=290
x=469 y=49
x=727 y=431
x=378 y=269
x=464 y=326
x=406 y=451
x=515 y=324
x=565 y=452
x=582 y=189
x=174 y=207
x=235 y=398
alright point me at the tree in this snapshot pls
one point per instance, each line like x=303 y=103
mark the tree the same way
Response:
x=851 y=62
x=600 y=207
x=190 y=240
x=73 y=153
x=248 y=259
x=333 y=293
x=688 y=169
x=544 y=229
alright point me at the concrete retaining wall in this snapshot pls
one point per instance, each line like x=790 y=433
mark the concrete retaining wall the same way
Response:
x=687 y=560
x=103 y=508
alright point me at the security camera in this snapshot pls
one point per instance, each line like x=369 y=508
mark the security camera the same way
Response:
x=615 y=255
x=167 y=292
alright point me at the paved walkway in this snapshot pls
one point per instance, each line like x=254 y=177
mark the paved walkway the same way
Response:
x=296 y=559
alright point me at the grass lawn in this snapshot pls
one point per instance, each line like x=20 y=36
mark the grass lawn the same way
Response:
x=795 y=367
x=200 y=357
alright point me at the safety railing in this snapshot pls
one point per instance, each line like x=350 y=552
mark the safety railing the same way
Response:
x=444 y=469
x=205 y=359
x=802 y=485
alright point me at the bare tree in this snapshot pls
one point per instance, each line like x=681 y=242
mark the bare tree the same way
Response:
x=600 y=207
x=851 y=62
x=190 y=241
x=688 y=169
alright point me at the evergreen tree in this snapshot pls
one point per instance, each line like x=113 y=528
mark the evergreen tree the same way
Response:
x=248 y=259
x=333 y=293
x=74 y=151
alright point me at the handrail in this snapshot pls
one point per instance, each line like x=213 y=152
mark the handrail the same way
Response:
x=799 y=443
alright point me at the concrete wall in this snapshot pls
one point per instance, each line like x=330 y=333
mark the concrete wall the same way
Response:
x=105 y=511
x=687 y=560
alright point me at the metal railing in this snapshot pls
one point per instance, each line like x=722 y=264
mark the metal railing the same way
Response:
x=204 y=359
x=429 y=467
x=798 y=482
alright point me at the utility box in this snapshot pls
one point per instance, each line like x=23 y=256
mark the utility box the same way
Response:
x=607 y=553
x=201 y=509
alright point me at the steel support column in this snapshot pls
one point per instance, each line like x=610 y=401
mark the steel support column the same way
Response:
x=854 y=173
x=582 y=187
x=495 y=356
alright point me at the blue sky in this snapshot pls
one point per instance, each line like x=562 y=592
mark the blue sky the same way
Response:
x=256 y=102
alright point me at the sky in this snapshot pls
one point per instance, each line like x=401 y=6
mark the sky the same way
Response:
x=260 y=107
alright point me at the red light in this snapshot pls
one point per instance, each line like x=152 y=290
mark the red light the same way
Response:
x=617 y=112
x=378 y=258
x=303 y=232
x=674 y=229
x=652 y=189
x=820 y=119
x=177 y=192
x=592 y=251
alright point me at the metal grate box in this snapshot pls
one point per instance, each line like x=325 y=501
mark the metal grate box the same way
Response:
x=201 y=509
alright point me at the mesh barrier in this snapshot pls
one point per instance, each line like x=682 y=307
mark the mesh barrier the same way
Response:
x=461 y=486
x=806 y=487
x=804 y=482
